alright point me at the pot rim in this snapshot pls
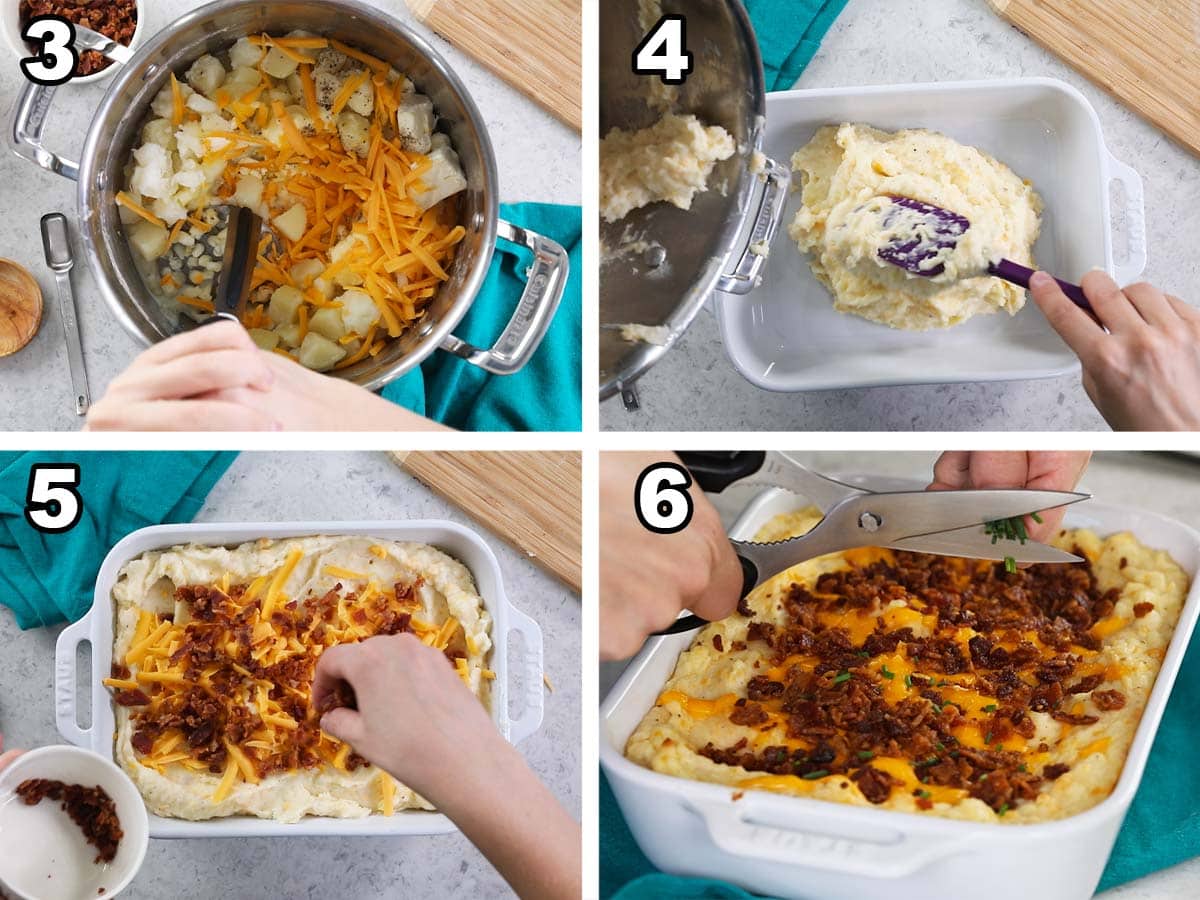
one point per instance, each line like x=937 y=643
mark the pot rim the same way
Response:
x=432 y=335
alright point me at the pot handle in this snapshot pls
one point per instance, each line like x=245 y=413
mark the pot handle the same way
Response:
x=533 y=664
x=543 y=291
x=34 y=105
x=66 y=701
x=744 y=278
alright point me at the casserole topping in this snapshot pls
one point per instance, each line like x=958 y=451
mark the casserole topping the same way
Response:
x=337 y=152
x=925 y=682
x=91 y=808
x=220 y=685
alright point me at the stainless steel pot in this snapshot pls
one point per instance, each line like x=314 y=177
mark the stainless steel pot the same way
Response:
x=115 y=130
x=706 y=248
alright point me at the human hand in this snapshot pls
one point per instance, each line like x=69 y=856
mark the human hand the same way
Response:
x=1144 y=373
x=207 y=379
x=1048 y=470
x=646 y=579
x=399 y=681
x=415 y=719
x=8 y=755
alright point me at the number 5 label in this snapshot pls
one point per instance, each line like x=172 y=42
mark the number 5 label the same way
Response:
x=661 y=500
x=663 y=51
x=53 y=504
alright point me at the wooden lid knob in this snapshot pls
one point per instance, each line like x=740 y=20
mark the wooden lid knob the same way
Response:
x=20 y=307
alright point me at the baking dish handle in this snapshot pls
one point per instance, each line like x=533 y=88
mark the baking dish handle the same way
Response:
x=66 y=700
x=896 y=857
x=547 y=278
x=1135 y=220
x=534 y=706
x=33 y=105
x=744 y=278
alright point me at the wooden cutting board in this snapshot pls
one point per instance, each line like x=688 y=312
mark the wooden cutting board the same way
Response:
x=530 y=500
x=1146 y=53
x=534 y=45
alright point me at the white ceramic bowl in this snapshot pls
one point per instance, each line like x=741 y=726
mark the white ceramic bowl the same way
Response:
x=10 y=25
x=43 y=854
x=798 y=847
x=786 y=336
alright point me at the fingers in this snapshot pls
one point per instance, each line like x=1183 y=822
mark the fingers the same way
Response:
x=993 y=470
x=1073 y=325
x=1109 y=303
x=342 y=662
x=199 y=374
x=344 y=724
x=725 y=584
x=178 y=415
x=218 y=336
x=7 y=757
x=951 y=470
x=1152 y=305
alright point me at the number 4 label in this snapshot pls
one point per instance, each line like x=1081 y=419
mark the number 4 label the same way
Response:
x=663 y=51
x=53 y=504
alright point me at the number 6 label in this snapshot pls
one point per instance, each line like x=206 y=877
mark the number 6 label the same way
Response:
x=663 y=51
x=53 y=504
x=661 y=500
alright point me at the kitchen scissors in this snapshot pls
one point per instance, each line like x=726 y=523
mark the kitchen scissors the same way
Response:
x=948 y=523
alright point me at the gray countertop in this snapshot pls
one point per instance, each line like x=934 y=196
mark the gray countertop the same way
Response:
x=695 y=387
x=538 y=159
x=331 y=486
x=1153 y=482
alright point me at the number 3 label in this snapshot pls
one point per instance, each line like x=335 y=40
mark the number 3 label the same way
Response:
x=664 y=51
x=661 y=500
x=53 y=504
x=58 y=59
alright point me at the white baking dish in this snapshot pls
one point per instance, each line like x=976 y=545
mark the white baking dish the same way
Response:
x=786 y=336
x=795 y=847
x=463 y=544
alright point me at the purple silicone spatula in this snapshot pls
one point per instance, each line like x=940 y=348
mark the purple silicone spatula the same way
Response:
x=910 y=253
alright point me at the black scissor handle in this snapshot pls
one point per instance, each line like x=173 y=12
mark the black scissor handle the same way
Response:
x=691 y=623
x=715 y=470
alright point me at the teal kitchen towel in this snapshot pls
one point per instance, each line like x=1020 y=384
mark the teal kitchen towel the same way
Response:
x=789 y=33
x=46 y=578
x=546 y=394
x=1161 y=829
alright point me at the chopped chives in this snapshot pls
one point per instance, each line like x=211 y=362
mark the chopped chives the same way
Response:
x=991 y=707
x=841 y=676
x=813 y=776
x=1010 y=565
x=883 y=670
x=865 y=754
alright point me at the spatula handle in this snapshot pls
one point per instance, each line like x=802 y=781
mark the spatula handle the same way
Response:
x=1018 y=274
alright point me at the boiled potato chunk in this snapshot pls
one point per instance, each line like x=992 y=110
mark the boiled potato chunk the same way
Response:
x=266 y=340
x=289 y=335
x=206 y=75
x=159 y=131
x=355 y=132
x=249 y=191
x=442 y=179
x=319 y=353
x=362 y=101
x=245 y=54
x=359 y=311
x=148 y=239
x=305 y=271
x=328 y=323
x=331 y=61
x=326 y=86
x=284 y=303
x=414 y=123
x=293 y=222
x=241 y=82
x=277 y=64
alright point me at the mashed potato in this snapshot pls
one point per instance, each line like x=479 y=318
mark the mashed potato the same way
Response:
x=1064 y=757
x=671 y=160
x=146 y=590
x=847 y=174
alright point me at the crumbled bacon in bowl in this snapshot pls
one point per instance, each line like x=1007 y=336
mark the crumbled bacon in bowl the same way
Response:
x=91 y=808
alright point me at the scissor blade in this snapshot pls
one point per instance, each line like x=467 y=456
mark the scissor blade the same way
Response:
x=910 y=514
x=975 y=544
